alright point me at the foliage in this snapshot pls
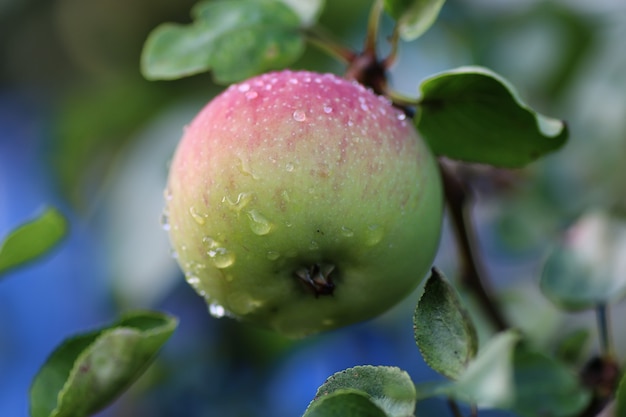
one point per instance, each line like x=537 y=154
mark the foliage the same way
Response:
x=470 y=115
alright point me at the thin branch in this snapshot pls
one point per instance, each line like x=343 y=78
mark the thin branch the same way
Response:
x=473 y=275
x=604 y=330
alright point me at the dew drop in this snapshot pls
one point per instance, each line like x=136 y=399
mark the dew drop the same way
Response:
x=299 y=116
x=314 y=245
x=401 y=116
x=217 y=310
x=194 y=281
x=239 y=203
x=167 y=194
x=273 y=255
x=328 y=109
x=196 y=216
x=289 y=167
x=165 y=222
x=346 y=231
x=373 y=234
x=243 y=88
x=258 y=223
x=222 y=258
x=251 y=95
x=364 y=107
x=245 y=169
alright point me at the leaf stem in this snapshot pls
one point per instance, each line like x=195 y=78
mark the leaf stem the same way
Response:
x=372 y=28
x=473 y=276
x=323 y=41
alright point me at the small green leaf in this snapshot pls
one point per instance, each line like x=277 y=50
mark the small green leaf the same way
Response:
x=588 y=267
x=87 y=372
x=390 y=388
x=344 y=403
x=235 y=39
x=474 y=115
x=443 y=330
x=32 y=240
x=413 y=17
x=488 y=380
x=544 y=386
x=620 y=398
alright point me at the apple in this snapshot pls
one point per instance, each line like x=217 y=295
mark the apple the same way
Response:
x=303 y=202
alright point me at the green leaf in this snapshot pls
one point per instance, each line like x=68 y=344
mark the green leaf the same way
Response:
x=413 y=17
x=307 y=10
x=32 y=239
x=588 y=267
x=344 y=403
x=620 y=398
x=474 y=115
x=390 y=388
x=443 y=330
x=488 y=380
x=235 y=39
x=87 y=372
x=546 y=387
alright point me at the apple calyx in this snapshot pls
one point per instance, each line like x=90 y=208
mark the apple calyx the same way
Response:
x=317 y=278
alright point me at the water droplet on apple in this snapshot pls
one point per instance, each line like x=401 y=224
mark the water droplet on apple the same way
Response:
x=346 y=231
x=239 y=203
x=243 y=87
x=245 y=169
x=328 y=109
x=289 y=167
x=273 y=255
x=373 y=234
x=167 y=194
x=196 y=216
x=299 y=116
x=251 y=95
x=165 y=221
x=401 y=116
x=217 y=311
x=258 y=223
x=222 y=258
x=314 y=245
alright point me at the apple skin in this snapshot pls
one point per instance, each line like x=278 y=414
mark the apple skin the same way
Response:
x=291 y=170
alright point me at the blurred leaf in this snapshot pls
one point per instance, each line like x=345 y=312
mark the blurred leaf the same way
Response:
x=474 y=115
x=546 y=387
x=413 y=17
x=87 y=372
x=444 y=331
x=344 y=403
x=307 y=10
x=572 y=346
x=235 y=39
x=32 y=240
x=488 y=380
x=389 y=388
x=620 y=398
x=588 y=267
x=93 y=124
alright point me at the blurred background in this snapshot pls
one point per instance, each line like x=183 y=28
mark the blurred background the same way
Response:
x=80 y=129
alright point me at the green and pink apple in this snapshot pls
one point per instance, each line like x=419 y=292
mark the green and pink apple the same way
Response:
x=303 y=202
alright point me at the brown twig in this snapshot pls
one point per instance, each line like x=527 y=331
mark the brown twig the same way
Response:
x=473 y=276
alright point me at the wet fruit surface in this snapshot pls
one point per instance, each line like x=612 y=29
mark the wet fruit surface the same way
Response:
x=302 y=202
